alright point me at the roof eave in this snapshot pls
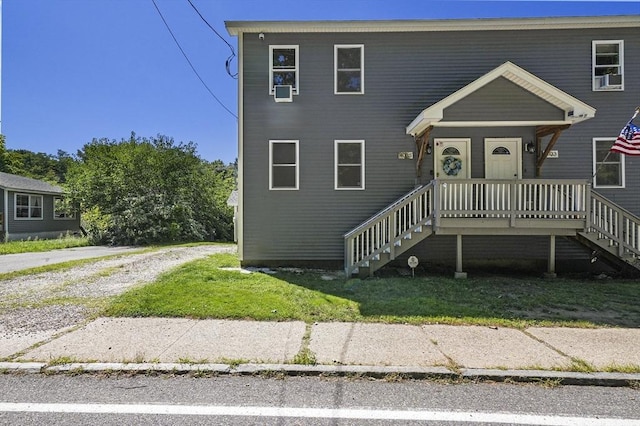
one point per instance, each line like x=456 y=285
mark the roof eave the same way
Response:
x=483 y=24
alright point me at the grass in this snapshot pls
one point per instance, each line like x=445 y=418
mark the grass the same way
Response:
x=30 y=246
x=201 y=289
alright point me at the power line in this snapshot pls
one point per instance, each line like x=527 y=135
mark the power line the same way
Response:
x=189 y=62
x=233 y=52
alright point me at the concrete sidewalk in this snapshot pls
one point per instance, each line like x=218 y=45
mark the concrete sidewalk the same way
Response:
x=363 y=348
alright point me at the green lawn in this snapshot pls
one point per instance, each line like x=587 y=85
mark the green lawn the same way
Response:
x=202 y=290
x=29 y=246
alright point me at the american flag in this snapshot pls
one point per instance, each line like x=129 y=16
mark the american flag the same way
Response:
x=628 y=142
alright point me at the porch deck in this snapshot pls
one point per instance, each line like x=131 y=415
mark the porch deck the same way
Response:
x=491 y=207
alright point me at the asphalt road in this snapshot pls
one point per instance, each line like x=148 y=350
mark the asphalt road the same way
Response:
x=230 y=400
x=16 y=262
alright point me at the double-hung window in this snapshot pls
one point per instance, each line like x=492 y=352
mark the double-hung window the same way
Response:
x=283 y=67
x=608 y=167
x=349 y=68
x=283 y=165
x=608 y=65
x=63 y=209
x=28 y=206
x=349 y=164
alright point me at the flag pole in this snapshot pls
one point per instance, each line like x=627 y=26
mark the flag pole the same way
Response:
x=635 y=114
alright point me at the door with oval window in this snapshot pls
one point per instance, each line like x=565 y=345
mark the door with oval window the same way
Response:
x=502 y=158
x=452 y=158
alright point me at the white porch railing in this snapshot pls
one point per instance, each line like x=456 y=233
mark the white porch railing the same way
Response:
x=522 y=203
x=517 y=199
x=615 y=226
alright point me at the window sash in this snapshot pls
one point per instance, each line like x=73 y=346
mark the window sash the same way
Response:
x=286 y=72
x=349 y=170
x=283 y=165
x=27 y=206
x=608 y=168
x=62 y=210
x=607 y=59
x=348 y=69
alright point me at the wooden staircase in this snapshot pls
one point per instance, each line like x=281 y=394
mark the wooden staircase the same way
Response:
x=613 y=234
x=391 y=232
x=485 y=207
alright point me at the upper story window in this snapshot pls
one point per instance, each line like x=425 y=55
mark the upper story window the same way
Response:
x=608 y=166
x=349 y=68
x=63 y=209
x=283 y=165
x=349 y=166
x=283 y=67
x=28 y=206
x=608 y=65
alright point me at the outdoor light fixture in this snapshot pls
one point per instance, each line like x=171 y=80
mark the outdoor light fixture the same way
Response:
x=530 y=147
x=261 y=36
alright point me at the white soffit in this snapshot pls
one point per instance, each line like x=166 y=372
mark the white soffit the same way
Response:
x=575 y=110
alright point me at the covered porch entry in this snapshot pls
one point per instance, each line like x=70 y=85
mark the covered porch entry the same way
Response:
x=480 y=153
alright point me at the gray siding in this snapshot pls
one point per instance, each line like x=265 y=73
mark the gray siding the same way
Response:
x=47 y=227
x=405 y=73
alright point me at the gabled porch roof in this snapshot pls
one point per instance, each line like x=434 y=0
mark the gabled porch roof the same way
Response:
x=574 y=109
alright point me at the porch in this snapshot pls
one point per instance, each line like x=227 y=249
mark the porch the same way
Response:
x=493 y=207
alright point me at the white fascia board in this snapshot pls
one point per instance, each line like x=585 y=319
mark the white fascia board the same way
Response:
x=535 y=85
x=437 y=25
x=500 y=123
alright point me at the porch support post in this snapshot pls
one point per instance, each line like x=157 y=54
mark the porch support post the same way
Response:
x=459 y=273
x=551 y=269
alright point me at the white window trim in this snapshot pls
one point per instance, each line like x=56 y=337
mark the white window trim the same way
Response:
x=335 y=68
x=15 y=206
x=362 y=164
x=595 y=165
x=73 y=212
x=296 y=89
x=297 y=165
x=594 y=43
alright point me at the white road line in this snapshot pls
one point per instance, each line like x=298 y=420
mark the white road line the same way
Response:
x=321 y=413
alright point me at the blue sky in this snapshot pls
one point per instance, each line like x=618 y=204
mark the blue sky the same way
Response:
x=74 y=70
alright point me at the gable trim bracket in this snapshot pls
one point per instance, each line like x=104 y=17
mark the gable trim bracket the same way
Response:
x=422 y=143
x=541 y=133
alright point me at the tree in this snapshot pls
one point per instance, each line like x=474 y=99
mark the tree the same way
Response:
x=37 y=165
x=148 y=190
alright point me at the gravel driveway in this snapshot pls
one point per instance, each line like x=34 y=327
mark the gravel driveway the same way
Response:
x=50 y=302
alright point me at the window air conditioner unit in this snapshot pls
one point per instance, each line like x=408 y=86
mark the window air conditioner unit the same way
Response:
x=609 y=80
x=283 y=93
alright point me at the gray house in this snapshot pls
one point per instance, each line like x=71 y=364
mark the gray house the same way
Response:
x=32 y=208
x=364 y=142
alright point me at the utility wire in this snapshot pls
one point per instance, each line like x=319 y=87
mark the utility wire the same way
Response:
x=233 y=52
x=189 y=62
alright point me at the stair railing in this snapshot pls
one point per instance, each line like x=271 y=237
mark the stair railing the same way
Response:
x=381 y=232
x=619 y=227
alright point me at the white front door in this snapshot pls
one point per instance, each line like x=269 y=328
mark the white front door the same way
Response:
x=452 y=158
x=503 y=158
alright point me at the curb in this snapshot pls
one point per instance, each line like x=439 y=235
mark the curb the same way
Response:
x=355 y=371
